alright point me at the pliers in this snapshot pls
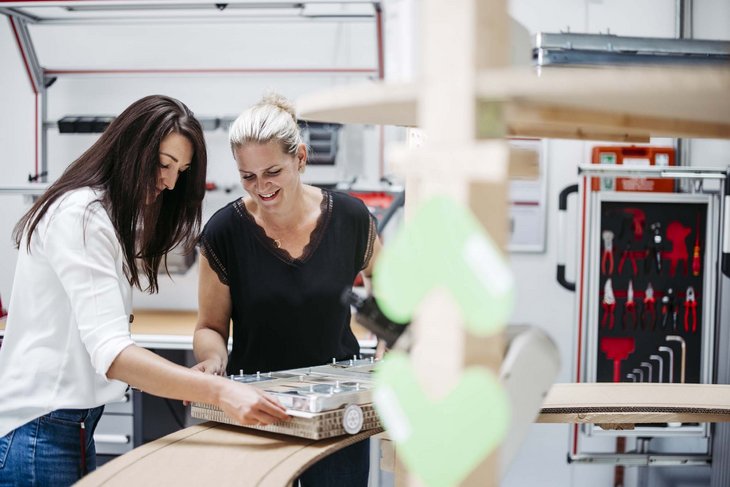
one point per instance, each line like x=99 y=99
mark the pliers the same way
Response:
x=669 y=307
x=690 y=304
x=627 y=253
x=607 y=257
x=608 y=305
x=630 y=308
x=648 y=314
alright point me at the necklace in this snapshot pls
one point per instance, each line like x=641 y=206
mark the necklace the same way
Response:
x=277 y=242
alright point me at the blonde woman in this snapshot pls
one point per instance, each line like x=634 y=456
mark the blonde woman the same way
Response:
x=276 y=262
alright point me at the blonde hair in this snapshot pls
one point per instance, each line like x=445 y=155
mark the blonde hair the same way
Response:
x=272 y=118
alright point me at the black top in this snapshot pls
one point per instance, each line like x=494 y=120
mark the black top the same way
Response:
x=287 y=312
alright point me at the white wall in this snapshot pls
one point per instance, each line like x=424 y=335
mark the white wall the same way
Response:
x=16 y=147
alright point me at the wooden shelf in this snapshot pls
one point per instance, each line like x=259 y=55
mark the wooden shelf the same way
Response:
x=629 y=104
x=371 y=103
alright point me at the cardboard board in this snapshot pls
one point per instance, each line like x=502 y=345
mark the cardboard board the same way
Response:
x=624 y=404
x=220 y=455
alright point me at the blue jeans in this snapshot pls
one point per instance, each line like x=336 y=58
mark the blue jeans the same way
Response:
x=47 y=450
x=348 y=467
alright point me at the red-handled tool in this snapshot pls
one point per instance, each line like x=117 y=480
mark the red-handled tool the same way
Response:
x=609 y=306
x=627 y=253
x=696 y=265
x=629 y=317
x=617 y=349
x=648 y=314
x=607 y=256
x=690 y=309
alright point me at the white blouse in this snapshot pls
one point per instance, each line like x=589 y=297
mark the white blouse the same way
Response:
x=68 y=314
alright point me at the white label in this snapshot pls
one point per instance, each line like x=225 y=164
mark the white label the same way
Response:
x=661 y=160
x=636 y=161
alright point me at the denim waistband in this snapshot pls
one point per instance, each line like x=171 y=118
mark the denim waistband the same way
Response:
x=77 y=415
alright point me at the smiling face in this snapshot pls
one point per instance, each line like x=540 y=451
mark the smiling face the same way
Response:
x=176 y=154
x=270 y=176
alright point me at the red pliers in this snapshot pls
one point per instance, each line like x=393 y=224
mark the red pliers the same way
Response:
x=630 y=308
x=632 y=257
x=607 y=257
x=608 y=305
x=690 y=304
x=648 y=314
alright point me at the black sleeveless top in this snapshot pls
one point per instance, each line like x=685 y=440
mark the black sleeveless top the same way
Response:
x=287 y=312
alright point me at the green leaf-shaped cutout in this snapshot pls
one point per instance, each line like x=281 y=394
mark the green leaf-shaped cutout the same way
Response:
x=441 y=441
x=444 y=245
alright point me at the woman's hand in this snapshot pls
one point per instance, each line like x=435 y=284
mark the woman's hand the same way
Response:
x=249 y=405
x=213 y=366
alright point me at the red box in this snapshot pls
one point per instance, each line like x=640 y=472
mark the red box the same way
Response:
x=634 y=156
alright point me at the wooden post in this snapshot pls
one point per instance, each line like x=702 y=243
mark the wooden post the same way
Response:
x=459 y=38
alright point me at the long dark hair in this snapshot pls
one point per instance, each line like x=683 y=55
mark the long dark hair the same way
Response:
x=123 y=165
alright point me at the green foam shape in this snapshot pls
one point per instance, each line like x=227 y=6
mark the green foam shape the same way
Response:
x=444 y=245
x=441 y=441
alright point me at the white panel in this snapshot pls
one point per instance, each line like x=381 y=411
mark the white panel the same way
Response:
x=645 y=18
x=550 y=16
x=273 y=45
x=711 y=19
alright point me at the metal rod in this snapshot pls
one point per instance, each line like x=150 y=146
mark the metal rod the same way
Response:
x=650 y=368
x=659 y=359
x=683 y=345
x=671 y=361
x=639 y=459
x=652 y=171
x=640 y=373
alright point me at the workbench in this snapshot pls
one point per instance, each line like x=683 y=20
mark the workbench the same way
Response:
x=173 y=330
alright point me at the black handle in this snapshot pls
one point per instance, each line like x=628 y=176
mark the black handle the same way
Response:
x=563 y=196
x=563 y=207
x=570 y=286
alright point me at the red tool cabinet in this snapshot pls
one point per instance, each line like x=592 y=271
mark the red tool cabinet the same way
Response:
x=647 y=289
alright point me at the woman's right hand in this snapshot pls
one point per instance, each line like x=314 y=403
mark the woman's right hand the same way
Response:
x=250 y=405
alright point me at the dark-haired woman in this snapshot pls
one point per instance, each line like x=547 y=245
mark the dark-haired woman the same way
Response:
x=103 y=227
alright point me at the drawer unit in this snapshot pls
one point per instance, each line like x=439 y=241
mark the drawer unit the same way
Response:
x=123 y=406
x=114 y=434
